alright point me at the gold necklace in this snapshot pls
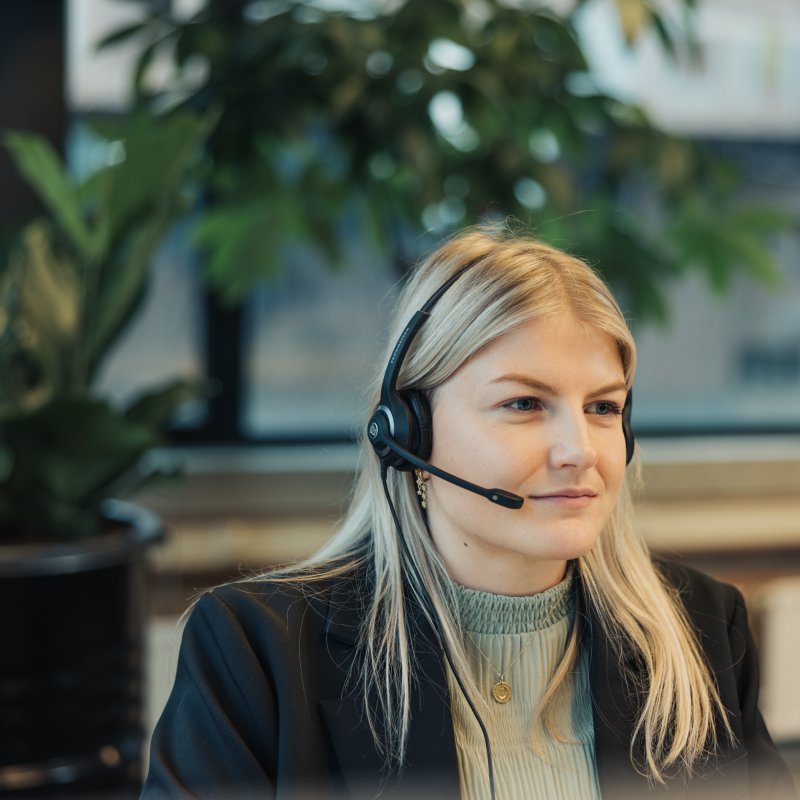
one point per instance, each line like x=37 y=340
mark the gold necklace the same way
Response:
x=501 y=691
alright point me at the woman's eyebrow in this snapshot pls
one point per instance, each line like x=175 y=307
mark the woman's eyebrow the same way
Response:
x=617 y=386
x=527 y=380
x=516 y=377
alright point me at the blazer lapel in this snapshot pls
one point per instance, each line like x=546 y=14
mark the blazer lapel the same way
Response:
x=430 y=768
x=615 y=709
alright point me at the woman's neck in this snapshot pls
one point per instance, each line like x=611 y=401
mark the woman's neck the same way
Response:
x=509 y=576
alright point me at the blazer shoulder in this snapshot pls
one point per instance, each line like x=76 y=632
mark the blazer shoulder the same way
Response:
x=699 y=592
x=269 y=592
x=305 y=601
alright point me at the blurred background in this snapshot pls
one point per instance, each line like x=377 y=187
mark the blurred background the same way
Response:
x=206 y=208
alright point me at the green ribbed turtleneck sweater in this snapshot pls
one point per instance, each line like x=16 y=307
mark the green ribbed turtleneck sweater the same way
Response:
x=530 y=633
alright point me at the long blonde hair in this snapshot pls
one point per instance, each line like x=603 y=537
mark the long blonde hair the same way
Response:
x=513 y=280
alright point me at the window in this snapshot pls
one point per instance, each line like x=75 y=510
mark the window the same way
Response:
x=312 y=340
x=731 y=363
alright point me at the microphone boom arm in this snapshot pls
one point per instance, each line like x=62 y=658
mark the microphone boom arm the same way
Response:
x=498 y=496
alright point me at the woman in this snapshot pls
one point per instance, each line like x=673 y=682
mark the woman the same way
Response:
x=454 y=640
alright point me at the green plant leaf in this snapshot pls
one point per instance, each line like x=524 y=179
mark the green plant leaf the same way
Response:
x=139 y=201
x=40 y=326
x=41 y=167
x=121 y=34
x=67 y=454
x=143 y=63
x=665 y=35
x=244 y=235
x=154 y=409
x=122 y=286
x=158 y=153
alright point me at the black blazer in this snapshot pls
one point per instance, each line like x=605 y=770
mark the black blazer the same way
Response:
x=265 y=703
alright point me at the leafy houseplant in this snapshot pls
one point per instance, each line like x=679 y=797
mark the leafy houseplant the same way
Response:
x=71 y=567
x=69 y=289
x=414 y=115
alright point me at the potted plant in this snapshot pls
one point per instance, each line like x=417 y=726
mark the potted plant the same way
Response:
x=71 y=566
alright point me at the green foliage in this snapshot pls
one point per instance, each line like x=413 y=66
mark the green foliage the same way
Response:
x=40 y=166
x=70 y=286
x=435 y=115
x=66 y=455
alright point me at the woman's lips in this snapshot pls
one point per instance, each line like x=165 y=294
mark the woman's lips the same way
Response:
x=567 y=498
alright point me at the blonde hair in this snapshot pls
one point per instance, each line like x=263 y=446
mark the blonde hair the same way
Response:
x=512 y=280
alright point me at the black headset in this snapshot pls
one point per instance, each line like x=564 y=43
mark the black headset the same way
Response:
x=400 y=428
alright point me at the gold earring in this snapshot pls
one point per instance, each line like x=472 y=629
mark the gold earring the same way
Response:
x=422 y=489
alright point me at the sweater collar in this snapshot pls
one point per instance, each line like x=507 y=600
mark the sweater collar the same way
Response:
x=485 y=612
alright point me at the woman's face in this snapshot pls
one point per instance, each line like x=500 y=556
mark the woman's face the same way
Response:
x=537 y=413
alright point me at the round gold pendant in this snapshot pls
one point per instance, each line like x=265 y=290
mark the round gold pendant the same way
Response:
x=501 y=692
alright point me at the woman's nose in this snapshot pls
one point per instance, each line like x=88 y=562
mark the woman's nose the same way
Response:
x=572 y=444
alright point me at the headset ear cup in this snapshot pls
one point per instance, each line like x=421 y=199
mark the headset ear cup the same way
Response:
x=627 y=427
x=421 y=432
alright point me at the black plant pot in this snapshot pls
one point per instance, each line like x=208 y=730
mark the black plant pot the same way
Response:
x=71 y=661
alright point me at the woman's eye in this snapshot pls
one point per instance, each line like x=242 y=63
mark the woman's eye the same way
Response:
x=604 y=408
x=523 y=404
